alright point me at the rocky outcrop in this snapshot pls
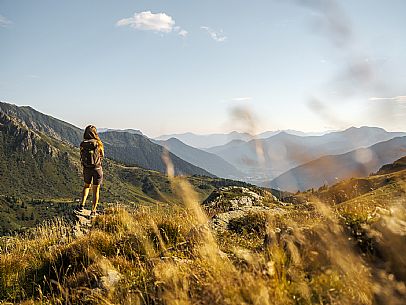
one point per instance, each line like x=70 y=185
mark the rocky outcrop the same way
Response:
x=42 y=123
x=228 y=203
x=24 y=139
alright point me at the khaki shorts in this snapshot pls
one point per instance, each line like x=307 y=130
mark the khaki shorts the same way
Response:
x=93 y=175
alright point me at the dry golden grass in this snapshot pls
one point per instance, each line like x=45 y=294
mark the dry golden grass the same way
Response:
x=169 y=255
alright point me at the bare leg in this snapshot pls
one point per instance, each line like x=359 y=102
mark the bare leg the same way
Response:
x=96 y=192
x=85 y=192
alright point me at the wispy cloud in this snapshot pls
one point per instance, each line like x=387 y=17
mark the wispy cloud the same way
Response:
x=217 y=36
x=242 y=99
x=183 y=33
x=156 y=22
x=4 y=22
x=399 y=98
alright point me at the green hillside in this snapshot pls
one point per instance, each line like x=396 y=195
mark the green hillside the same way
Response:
x=40 y=177
x=393 y=167
x=135 y=149
x=38 y=121
x=125 y=147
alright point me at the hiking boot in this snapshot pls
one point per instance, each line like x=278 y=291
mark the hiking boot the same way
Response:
x=79 y=208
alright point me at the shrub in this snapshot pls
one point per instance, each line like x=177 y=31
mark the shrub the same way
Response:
x=252 y=222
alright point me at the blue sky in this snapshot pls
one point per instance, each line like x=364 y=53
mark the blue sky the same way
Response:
x=177 y=66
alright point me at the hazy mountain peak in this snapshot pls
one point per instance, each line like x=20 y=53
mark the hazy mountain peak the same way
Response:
x=211 y=162
x=363 y=128
x=236 y=133
x=129 y=130
x=283 y=134
x=234 y=142
x=206 y=140
x=175 y=140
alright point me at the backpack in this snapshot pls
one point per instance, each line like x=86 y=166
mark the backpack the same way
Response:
x=90 y=154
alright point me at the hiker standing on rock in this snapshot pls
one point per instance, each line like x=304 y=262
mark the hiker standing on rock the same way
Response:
x=91 y=155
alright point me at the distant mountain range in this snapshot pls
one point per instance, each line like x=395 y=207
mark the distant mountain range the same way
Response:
x=207 y=141
x=265 y=159
x=133 y=131
x=330 y=169
x=268 y=134
x=211 y=162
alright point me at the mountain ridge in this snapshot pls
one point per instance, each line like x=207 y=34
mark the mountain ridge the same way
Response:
x=149 y=154
x=205 y=141
x=332 y=168
x=39 y=121
x=284 y=151
x=211 y=162
x=135 y=149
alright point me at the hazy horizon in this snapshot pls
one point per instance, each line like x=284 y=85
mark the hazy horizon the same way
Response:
x=258 y=132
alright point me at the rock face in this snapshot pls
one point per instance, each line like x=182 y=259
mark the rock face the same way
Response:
x=233 y=197
x=233 y=202
x=126 y=146
x=40 y=122
x=22 y=138
x=33 y=164
x=109 y=276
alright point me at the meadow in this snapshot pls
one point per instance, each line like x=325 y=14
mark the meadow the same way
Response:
x=308 y=253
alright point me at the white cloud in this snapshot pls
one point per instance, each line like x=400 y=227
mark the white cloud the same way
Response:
x=148 y=21
x=180 y=31
x=4 y=21
x=217 y=36
x=183 y=33
x=242 y=99
x=399 y=98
